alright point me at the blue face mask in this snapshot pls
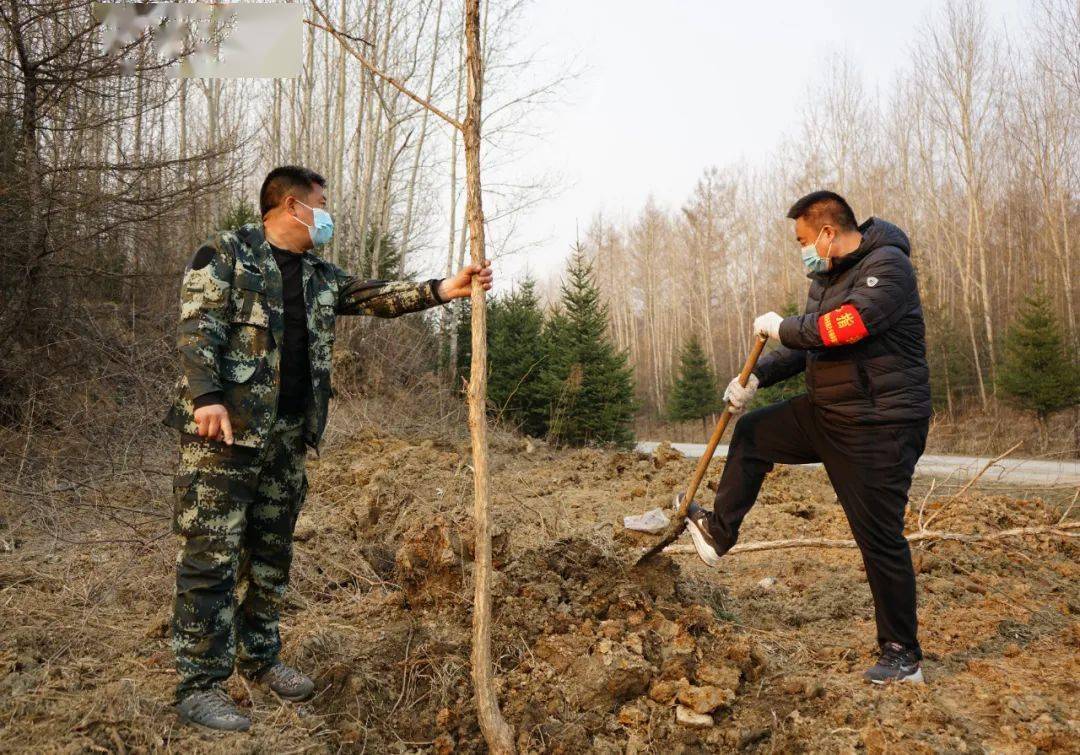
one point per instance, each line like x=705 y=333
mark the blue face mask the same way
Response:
x=814 y=262
x=323 y=229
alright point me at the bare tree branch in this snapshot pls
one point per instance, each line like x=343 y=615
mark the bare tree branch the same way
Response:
x=328 y=27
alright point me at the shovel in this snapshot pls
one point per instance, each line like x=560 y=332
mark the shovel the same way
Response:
x=678 y=523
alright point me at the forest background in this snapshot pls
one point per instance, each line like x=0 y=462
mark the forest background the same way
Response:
x=109 y=182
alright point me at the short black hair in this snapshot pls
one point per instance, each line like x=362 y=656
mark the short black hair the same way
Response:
x=821 y=207
x=284 y=181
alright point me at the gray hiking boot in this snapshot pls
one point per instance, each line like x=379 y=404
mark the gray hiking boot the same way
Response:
x=287 y=682
x=896 y=664
x=213 y=709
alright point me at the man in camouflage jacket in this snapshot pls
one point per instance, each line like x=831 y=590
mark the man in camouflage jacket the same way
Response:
x=256 y=336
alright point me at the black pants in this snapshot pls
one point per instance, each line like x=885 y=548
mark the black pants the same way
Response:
x=870 y=468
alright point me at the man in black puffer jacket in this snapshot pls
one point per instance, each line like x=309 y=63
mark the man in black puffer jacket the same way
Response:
x=865 y=415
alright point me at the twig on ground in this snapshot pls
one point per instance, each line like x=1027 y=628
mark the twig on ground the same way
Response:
x=29 y=435
x=1063 y=529
x=971 y=482
x=1069 y=507
x=926 y=498
x=404 y=673
x=551 y=532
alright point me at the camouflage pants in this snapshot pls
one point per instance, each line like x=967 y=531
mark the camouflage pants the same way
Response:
x=235 y=509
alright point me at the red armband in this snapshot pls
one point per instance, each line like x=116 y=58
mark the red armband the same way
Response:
x=841 y=326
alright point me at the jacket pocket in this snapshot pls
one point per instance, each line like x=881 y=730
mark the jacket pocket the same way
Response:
x=865 y=386
x=326 y=298
x=249 y=328
x=249 y=299
x=321 y=334
x=238 y=368
x=325 y=309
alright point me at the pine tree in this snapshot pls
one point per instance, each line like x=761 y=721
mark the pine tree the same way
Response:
x=951 y=367
x=1036 y=373
x=694 y=395
x=587 y=382
x=239 y=213
x=389 y=257
x=462 y=321
x=560 y=381
x=516 y=354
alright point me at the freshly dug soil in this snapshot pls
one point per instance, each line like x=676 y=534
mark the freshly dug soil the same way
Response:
x=593 y=654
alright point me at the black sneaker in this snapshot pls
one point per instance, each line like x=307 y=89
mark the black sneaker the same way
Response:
x=212 y=709
x=896 y=664
x=697 y=521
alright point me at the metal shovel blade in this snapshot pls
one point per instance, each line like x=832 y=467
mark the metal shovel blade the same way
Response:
x=670 y=533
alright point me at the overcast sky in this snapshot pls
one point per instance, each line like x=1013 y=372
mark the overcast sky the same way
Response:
x=670 y=88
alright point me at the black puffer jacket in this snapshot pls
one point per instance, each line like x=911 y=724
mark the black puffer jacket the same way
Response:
x=862 y=341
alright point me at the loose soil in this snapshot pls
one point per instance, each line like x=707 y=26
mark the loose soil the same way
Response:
x=593 y=655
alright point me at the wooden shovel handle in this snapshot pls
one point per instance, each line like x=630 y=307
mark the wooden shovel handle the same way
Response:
x=721 y=425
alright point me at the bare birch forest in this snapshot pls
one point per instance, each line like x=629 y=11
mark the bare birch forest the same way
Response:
x=974 y=150
x=111 y=181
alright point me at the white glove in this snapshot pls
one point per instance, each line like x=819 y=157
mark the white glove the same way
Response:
x=738 y=397
x=768 y=324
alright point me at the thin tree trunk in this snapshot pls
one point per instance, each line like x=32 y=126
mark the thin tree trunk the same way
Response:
x=309 y=81
x=386 y=160
x=406 y=226
x=1070 y=313
x=388 y=174
x=294 y=149
x=275 y=132
x=369 y=166
x=327 y=134
x=338 y=156
x=452 y=310
x=366 y=81
x=499 y=735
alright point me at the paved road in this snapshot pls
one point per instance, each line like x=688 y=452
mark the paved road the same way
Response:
x=1010 y=470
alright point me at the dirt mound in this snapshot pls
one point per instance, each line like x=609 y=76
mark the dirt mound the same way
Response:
x=593 y=651
x=611 y=652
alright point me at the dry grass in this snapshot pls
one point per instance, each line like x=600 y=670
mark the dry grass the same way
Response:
x=379 y=609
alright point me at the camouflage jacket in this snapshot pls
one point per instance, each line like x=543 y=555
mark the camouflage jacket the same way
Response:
x=232 y=327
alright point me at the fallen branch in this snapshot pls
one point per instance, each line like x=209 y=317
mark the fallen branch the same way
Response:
x=971 y=482
x=922 y=505
x=1064 y=529
x=1069 y=507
